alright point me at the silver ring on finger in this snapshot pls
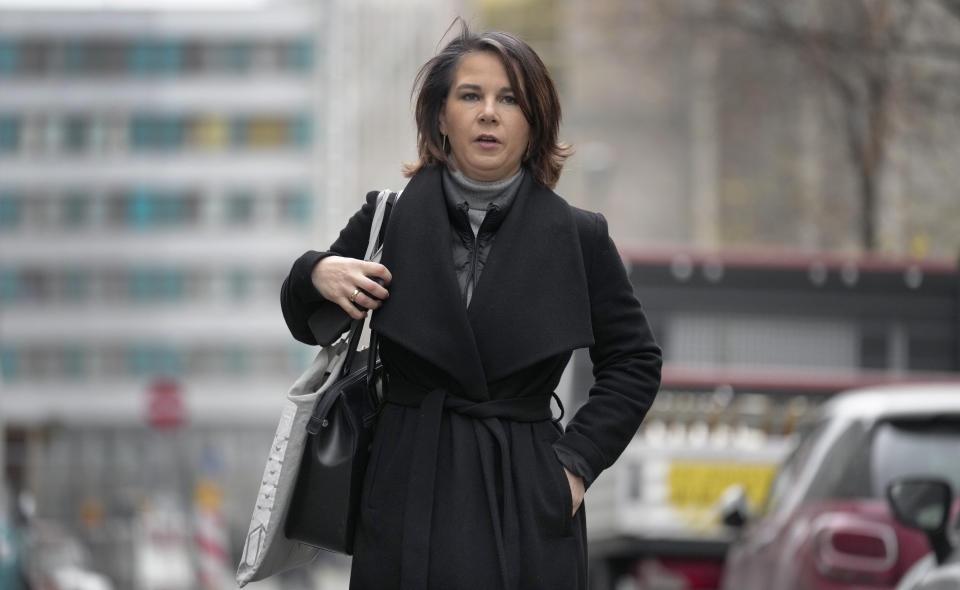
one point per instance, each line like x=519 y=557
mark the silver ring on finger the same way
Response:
x=353 y=296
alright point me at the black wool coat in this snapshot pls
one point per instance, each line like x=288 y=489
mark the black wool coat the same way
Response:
x=465 y=488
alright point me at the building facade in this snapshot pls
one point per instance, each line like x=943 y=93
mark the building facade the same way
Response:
x=160 y=170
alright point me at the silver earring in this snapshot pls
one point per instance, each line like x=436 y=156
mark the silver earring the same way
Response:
x=444 y=144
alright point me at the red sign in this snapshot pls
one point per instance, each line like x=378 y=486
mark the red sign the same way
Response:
x=165 y=408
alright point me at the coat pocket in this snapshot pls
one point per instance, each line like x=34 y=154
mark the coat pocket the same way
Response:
x=565 y=496
x=554 y=489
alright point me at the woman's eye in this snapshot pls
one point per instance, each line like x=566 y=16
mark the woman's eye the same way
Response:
x=470 y=96
x=509 y=100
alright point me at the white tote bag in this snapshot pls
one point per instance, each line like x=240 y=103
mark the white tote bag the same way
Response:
x=267 y=551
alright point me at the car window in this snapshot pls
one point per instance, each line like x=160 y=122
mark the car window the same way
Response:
x=915 y=447
x=838 y=474
x=786 y=478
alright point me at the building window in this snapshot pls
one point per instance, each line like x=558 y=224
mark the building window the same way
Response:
x=299 y=55
x=155 y=284
x=75 y=57
x=238 y=284
x=155 y=57
x=36 y=285
x=154 y=360
x=73 y=362
x=75 y=210
x=271 y=131
x=9 y=285
x=76 y=133
x=144 y=208
x=301 y=131
x=209 y=133
x=9 y=133
x=239 y=208
x=107 y=56
x=295 y=207
x=193 y=56
x=236 y=57
x=9 y=363
x=238 y=131
x=33 y=57
x=9 y=58
x=147 y=208
x=75 y=285
x=267 y=132
x=11 y=210
x=160 y=132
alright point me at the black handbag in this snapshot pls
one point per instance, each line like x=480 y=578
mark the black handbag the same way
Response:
x=325 y=503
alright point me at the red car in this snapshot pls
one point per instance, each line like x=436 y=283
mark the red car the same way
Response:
x=825 y=524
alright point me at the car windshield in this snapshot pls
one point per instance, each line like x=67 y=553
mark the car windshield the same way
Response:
x=915 y=447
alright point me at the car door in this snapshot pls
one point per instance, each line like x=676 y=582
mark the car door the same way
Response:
x=751 y=560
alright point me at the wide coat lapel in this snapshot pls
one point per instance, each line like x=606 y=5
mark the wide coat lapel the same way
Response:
x=425 y=312
x=532 y=300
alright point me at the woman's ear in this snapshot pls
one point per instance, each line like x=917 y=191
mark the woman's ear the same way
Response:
x=442 y=118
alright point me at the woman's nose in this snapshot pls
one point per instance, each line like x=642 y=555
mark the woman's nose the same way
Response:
x=488 y=113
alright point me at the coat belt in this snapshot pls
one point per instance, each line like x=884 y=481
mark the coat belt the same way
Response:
x=418 y=504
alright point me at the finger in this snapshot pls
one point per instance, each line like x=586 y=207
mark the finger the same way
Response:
x=372 y=289
x=364 y=301
x=375 y=269
x=352 y=310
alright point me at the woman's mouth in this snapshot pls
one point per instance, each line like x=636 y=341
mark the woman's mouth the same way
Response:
x=487 y=141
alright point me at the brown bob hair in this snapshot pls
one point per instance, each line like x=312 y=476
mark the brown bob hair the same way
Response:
x=537 y=97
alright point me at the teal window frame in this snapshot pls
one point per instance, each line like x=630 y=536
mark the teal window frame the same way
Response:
x=9 y=133
x=239 y=208
x=154 y=360
x=11 y=285
x=152 y=57
x=301 y=131
x=76 y=210
x=299 y=55
x=157 y=132
x=10 y=365
x=11 y=210
x=9 y=57
x=297 y=207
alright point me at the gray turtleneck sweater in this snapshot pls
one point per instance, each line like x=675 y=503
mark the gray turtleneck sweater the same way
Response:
x=475 y=201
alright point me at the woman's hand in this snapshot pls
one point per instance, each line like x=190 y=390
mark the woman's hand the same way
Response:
x=338 y=277
x=576 y=489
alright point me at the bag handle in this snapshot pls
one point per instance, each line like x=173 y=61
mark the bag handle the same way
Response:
x=381 y=216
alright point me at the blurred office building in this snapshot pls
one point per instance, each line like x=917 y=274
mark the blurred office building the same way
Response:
x=161 y=166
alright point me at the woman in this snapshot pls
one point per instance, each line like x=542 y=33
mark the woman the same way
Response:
x=490 y=282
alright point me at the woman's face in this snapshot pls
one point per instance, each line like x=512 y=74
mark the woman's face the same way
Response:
x=482 y=120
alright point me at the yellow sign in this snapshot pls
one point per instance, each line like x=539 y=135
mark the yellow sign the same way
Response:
x=699 y=484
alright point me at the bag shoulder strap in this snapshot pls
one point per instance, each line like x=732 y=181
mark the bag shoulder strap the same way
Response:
x=385 y=202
